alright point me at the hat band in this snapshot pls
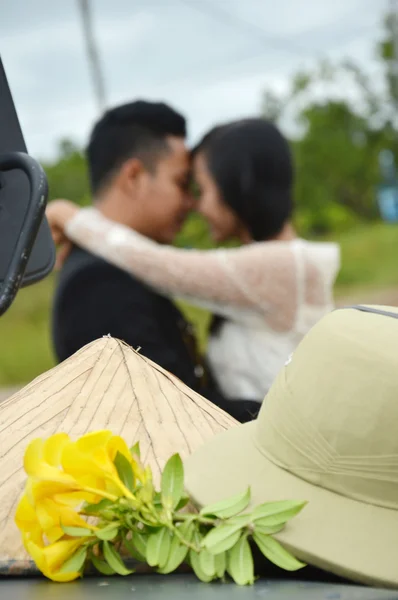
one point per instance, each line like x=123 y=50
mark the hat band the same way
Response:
x=368 y=309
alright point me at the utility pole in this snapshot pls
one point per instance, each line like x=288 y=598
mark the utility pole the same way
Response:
x=93 y=55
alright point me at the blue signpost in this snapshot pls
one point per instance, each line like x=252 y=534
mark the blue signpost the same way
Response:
x=387 y=192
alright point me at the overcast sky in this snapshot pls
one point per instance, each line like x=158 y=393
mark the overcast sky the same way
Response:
x=209 y=58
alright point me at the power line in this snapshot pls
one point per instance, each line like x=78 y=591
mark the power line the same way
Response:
x=218 y=13
x=212 y=68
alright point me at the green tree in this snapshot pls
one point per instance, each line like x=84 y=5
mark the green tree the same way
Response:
x=337 y=149
x=67 y=176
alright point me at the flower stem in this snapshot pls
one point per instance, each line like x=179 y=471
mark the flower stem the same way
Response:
x=101 y=493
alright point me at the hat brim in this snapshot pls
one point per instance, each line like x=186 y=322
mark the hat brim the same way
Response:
x=351 y=539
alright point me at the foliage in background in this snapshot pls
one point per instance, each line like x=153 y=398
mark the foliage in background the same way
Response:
x=336 y=154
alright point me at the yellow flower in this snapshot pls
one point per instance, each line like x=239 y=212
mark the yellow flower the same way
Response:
x=27 y=522
x=84 y=465
x=49 y=560
x=94 y=454
x=42 y=460
x=44 y=519
x=37 y=490
x=62 y=475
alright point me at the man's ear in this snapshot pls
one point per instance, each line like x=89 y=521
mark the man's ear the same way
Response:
x=129 y=173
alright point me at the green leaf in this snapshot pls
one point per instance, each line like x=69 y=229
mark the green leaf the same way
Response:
x=158 y=548
x=76 y=562
x=221 y=564
x=182 y=503
x=132 y=550
x=76 y=531
x=113 y=559
x=125 y=471
x=135 y=450
x=197 y=569
x=194 y=559
x=94 y=509
x=177 y=555
x=109 y=532
x=276 y=513
x=240 y=563
x=172 y=485
x=275 y=553
x=228 y=508
x=242 y=520
x=269 y=530
x=207 y=563
x=101 y=566
x=140 y=542
x=157 y=499
x=222 y=538
x=187 y=529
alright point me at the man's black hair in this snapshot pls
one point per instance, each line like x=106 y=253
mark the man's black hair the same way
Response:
x=251 y=164
x=135 y=130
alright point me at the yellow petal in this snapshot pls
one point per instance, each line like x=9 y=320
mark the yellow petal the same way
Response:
x=27 y=522
x=33 y=456
x=47 y=514
x=53 y=447
x=47 y=489
x=37 y=553
x=58 y=553
x=35 y=536
x=95 y=439
x=70 y=518
x=76 y=463
x=117 y=444
x=74 y=499
x=63 y=577
x=49 y=560
x=25 y=513
x=52 y=517
x=54 y=534
x=36 y=466
x=101 y=458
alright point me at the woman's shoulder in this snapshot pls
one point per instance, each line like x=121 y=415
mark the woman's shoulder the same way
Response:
x=284 y=259
x=291 y=249
x=325 y=255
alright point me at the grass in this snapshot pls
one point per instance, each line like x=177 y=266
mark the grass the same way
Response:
x=369 y=256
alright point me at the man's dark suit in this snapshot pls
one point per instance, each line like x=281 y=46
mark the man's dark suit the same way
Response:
x=94 y=298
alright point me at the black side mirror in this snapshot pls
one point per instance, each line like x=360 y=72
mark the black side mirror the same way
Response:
x=17 y=243
x=27 y=253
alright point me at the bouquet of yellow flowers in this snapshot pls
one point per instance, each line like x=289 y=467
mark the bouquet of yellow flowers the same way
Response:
x=93 y=501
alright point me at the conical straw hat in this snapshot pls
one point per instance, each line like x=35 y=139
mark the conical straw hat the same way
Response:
x=106 y=385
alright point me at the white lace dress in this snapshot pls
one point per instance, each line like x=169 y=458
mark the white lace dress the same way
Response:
x=270 y=293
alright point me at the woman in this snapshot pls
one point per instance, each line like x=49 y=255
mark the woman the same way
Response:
x=269 y=292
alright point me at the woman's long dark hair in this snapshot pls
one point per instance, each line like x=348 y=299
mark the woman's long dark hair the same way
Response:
x=251 y=163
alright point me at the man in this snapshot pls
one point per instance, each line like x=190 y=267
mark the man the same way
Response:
x=140 y=174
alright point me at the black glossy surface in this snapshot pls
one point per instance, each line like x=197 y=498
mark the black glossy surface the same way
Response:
x=14 y=197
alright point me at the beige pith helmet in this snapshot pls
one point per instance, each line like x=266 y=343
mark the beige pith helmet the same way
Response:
x=106 y=385
x=327 y=434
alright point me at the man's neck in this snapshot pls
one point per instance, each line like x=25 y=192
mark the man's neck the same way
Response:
x=112 y=206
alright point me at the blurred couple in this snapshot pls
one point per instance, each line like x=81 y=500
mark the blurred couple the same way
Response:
x=122 y=272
